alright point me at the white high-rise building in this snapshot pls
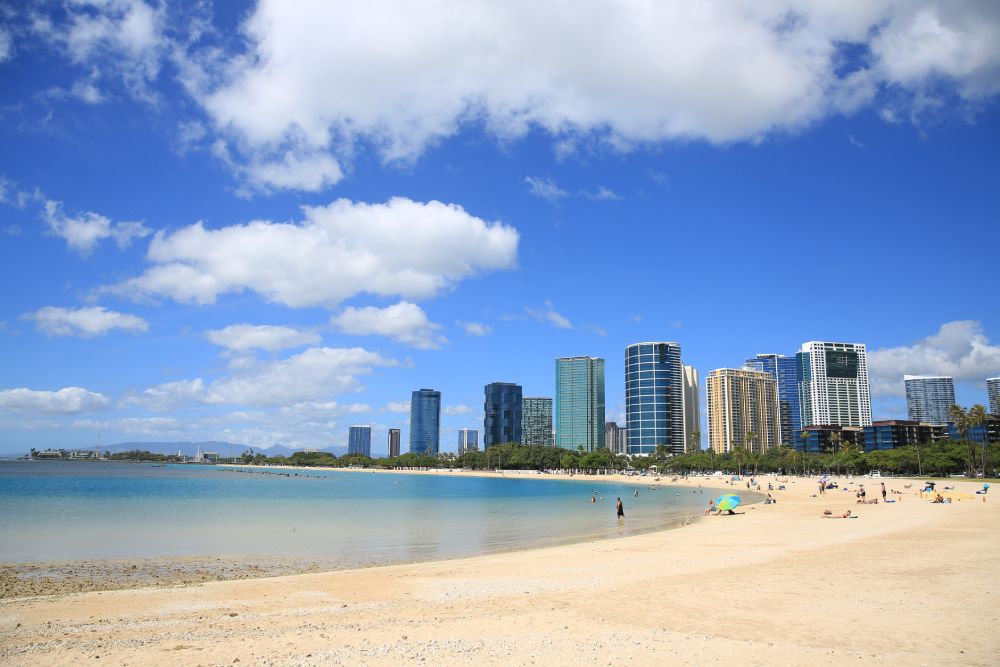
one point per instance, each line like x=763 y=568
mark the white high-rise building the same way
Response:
x=833 y=384
x=692 y=413
x=929 y=398
x=993 y=392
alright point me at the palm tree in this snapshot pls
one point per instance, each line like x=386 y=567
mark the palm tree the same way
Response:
x=738 y=454
x=805 y=448
x=836 y=440
x=750 y=438
x=977 y=417
x=694 y=442
x=960 y=418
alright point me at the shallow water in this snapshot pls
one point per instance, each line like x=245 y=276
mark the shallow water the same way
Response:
x=52 y=511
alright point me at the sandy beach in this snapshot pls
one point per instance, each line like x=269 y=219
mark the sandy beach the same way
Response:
x=906 y=583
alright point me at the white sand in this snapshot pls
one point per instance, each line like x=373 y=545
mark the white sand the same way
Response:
x=906 y=583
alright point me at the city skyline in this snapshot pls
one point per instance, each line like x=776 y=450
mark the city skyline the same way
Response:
x=208 y=242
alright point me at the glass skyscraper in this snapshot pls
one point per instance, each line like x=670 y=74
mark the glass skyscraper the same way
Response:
x=501 y=413
x=393 y=442
x=654 y=397
x=468 y=440
x=785 y=371
x=359 y=440
x=929 y=398
x=993 y=393
x=425 y=421
x=536 y=421
x=580 y=403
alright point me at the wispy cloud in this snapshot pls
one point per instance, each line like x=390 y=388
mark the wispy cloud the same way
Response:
x=549 y=314
x=475 y=328
x=545 y=188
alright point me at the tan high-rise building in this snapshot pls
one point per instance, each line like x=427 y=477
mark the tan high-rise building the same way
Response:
x=741 y=402
x=692 y=413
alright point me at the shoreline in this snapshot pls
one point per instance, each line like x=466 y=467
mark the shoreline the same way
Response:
x=61 y=577
x=906 y=583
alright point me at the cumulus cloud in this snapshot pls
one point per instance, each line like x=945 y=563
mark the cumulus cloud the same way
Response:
x=476 y=328
x=248 y=337
x=85 y=322
x=959 y=349
x=313 y=375
x=66 y=401
x=399 y=407
x=457 y=410
x=83 y=232
x=323 y=75
x=405 y=322
x=400 y=248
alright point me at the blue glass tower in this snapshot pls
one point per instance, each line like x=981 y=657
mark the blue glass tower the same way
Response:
x=785 y=371
x=580 y=403
x=654 y=397
x=502 y=413
x=425 y=421
x=359 y=440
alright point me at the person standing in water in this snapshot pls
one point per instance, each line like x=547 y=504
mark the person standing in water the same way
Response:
x=620 y=509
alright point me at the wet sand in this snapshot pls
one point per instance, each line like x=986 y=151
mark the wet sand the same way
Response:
x=906 y=583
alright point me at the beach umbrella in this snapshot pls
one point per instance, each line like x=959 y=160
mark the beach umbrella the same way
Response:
x=727 y=502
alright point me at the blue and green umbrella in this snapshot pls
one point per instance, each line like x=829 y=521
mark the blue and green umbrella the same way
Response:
x=727 y=502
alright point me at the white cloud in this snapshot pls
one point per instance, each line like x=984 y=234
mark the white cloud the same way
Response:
x=405 y=322
x=400 y=248
x=86 y=230
x=959 y=349
x=475 y=328
x=6 y=46
x=399 y=407
x=545 y=188
x=247 y=337
x=124 y=37
x=603 y=194
x=551 y=315
x=457 y=410
x=69 y=400
x=630 y=73
x=313 y=375
x=85 y=322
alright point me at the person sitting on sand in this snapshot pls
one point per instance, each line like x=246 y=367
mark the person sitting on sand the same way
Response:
x=827 y=514
x=711 y=507
x=938 y=499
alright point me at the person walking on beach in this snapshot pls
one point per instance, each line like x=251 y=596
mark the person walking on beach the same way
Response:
x=620 y=509
x=822 y=487
x=883 y=492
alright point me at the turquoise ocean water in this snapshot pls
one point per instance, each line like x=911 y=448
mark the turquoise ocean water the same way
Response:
x=53 y=511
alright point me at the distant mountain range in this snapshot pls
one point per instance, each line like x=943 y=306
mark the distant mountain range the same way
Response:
x=223 y=449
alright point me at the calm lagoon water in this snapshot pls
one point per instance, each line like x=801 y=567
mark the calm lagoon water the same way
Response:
x=53 y=511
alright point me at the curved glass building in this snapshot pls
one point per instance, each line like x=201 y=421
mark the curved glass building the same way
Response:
x=654 y=397
x=425 y=421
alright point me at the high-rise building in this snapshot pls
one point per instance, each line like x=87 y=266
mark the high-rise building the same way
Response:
x=536 y=421
x=692 y=411
x=425 y=421
x=833 y=384
x=468 y=440
x=501 y=413
x=393 y=443
x=742 y=409
x=580 y=403
x=615 y=438
x=993 y=393
x=359 y=440
x=654 y=398
x=929 y=398
x=785 y=371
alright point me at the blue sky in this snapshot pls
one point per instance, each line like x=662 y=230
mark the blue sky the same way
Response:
x=266 y=223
